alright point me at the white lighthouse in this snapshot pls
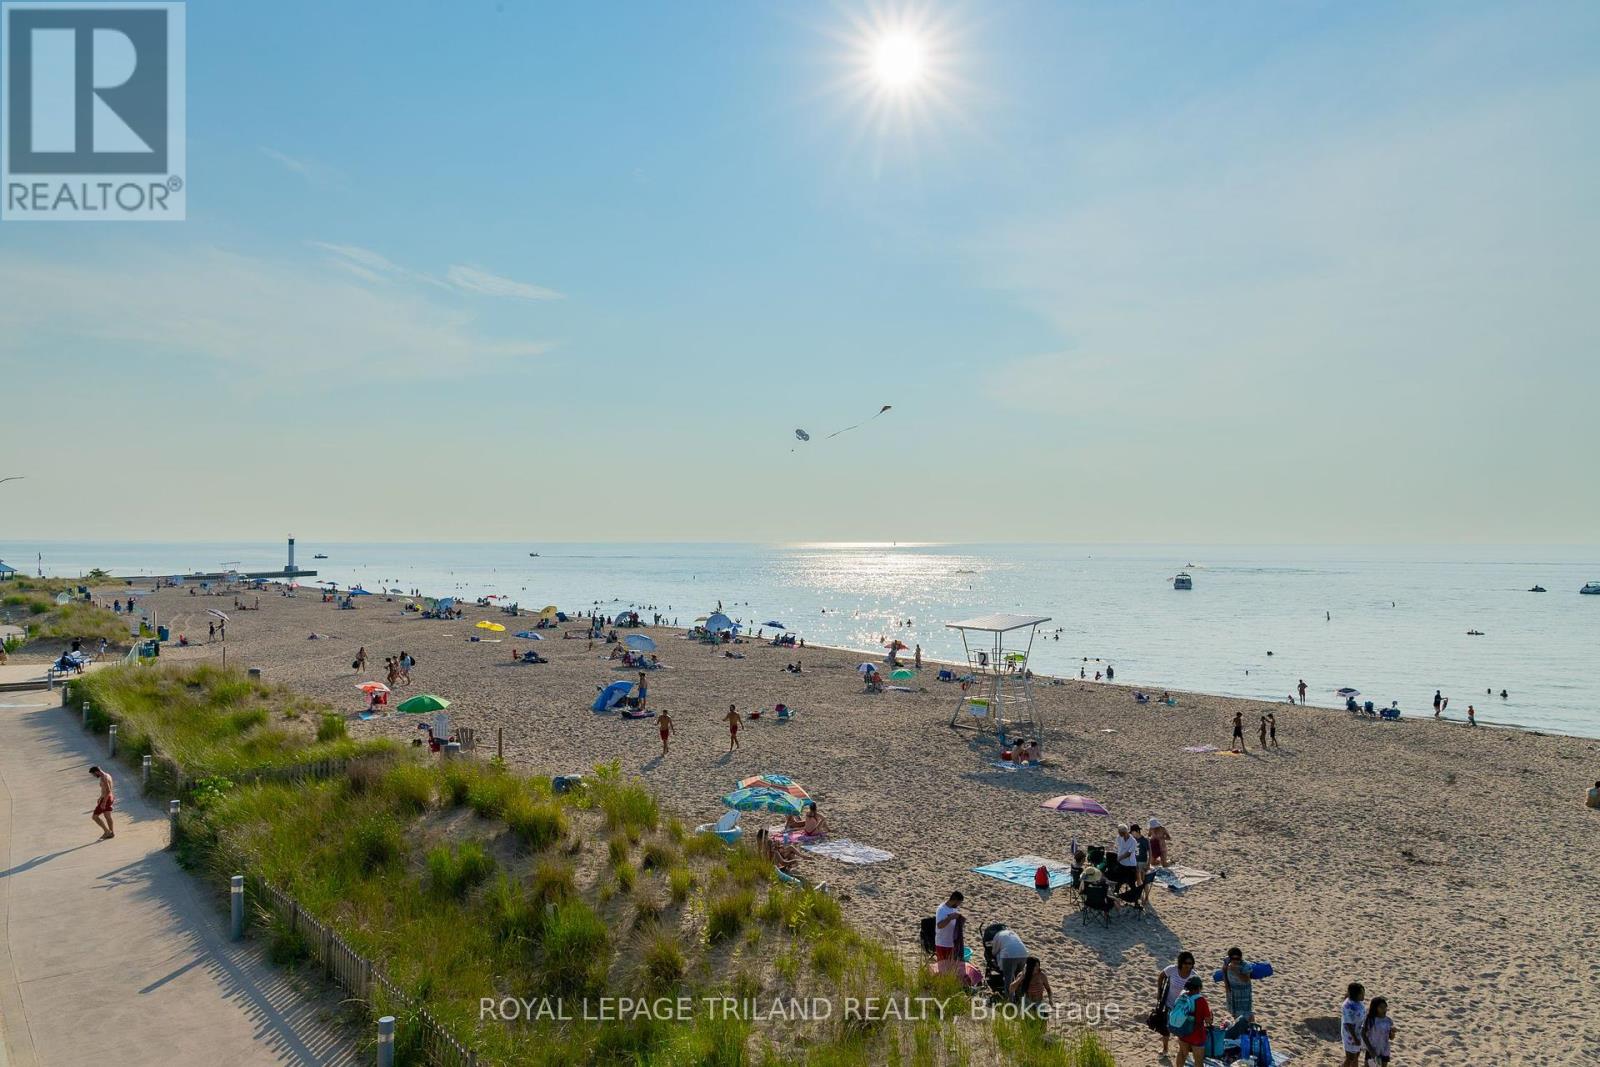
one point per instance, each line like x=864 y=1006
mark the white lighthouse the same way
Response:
x=290 y=568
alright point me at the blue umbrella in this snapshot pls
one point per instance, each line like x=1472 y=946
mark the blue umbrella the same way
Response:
x=611 y=695
x=529 y=635
x=717 y=621
x=358 y=591
x=640 y=643
x=758 y=798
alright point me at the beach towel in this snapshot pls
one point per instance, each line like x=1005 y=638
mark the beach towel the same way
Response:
x=1019 y=871
x=789 y=837
x=1201 y=748
x=899 y=689
x=638 y=715
x=1007 y=765
x=1178 y=878
x=846 y=851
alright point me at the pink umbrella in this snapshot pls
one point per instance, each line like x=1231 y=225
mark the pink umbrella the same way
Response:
x=373 y=687
x=1073 y=802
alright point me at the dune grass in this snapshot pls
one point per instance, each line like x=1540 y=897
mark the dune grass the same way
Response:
x=214 y=722
x=31 y=602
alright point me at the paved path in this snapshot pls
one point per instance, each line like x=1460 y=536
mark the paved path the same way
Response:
x=110 y=953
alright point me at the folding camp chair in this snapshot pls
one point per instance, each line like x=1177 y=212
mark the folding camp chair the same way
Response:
x=1137 y=898
x=1096 y=898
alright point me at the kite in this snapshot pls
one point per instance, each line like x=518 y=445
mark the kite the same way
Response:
x=802 y=435
x=836 y=433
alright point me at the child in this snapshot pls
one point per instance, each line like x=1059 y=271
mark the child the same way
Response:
x=1352 y=1020
x=732 y=719
x=1376 y=1032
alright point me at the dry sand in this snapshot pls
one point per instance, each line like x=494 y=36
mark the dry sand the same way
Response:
x=1448 y=868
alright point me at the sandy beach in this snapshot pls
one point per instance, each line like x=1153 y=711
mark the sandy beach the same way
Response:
x=1445 y=867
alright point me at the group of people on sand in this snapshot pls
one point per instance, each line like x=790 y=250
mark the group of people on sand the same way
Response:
x=1268 y=732
x=782 y=853
x=396 y=669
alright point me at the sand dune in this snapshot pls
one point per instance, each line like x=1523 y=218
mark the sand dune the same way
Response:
x=1449 y=869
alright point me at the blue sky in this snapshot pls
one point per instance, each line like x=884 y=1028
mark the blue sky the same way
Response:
x=1164 y=272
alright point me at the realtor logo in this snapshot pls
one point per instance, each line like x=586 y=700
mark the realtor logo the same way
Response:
x=92 y=111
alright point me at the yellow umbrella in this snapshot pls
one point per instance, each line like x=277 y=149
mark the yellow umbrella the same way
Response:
x=550 y=610
x=487 y=625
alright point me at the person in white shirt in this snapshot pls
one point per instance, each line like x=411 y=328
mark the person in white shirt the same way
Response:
x=1010 y=953
x=1127 y=856
x=1351 y=1016
x=944 y=927
x=1170 y=983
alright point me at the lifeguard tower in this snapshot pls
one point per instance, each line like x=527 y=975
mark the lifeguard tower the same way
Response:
x=999 y=697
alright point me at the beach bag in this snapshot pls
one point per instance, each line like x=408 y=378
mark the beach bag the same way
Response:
x=355 y=665
x=1041 y=877
x=1214 y=1041
x=1180 y=1020
x=1157 y=1019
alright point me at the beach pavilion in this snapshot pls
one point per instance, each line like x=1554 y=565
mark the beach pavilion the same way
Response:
x=999 y=697
x=6 y=572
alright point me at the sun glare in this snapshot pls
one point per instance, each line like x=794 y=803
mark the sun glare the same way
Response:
x=898 y=60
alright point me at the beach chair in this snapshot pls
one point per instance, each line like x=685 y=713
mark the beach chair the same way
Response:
x=1136 y=899
x=1096 y=899
x=727 y=828
x=467 y=737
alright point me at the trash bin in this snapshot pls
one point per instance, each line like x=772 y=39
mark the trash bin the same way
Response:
x=161 y=634
x=152 y=649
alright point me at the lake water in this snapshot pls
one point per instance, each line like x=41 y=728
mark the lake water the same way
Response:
x=1398 y=626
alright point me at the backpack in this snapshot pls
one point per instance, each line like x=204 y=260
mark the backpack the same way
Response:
x=1041 y=878
x=1180 y=1020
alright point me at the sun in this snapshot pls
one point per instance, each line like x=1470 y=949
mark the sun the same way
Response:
x=899 y=60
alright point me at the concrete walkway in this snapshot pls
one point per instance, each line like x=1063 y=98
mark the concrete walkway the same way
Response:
x=111 y=954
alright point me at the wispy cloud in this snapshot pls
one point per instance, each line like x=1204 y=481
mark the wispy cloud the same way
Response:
x=268 y=319
x=312 y=171
x=474 y=280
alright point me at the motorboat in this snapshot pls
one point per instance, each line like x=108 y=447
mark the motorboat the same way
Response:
x=533 y=553
x=1590 y=589
x=320 y=555
x=1182 y=580
x=1537 y=589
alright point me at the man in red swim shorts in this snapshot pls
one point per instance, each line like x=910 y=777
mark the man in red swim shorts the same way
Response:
x=732 y=719
x=102 y=807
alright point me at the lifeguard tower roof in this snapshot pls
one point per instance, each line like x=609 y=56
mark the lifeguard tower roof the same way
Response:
x=998 y=623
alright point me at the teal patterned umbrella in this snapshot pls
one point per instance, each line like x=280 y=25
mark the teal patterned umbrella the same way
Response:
x=759 y=798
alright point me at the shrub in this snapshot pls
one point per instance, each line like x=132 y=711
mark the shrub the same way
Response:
x=512 y=913
x=727 y=914
x=330 y=728
x=647 y=908
x=537 y=824
x=286 y=947
x=658 y=856
x=617 y=850
x=490 y=794
x=661 y=958
x=375 y=843
x=453 y=872
x=628 y=806
x=553 y=882
x=626 y=875
x=458 y=780
x=704 y=846
x=248 y=719
x=680 y=881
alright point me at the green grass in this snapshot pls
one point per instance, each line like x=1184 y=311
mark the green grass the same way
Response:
x=212 y=721
x=32 y=601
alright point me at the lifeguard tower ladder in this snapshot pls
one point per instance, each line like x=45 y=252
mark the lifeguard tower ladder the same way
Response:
x=999 y=697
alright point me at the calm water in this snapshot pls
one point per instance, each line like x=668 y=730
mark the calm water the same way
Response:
x=1397 y=632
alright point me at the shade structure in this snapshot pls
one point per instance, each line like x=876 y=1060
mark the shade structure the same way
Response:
x=610 y=696
x=1077 y=804
x=762 y=798
x=219 y=614
x=492 y=627
x=529 y=635
x=640 y=643
x=716 y=622
x=358 y=591
x=547 y=611
x=1347 y=692
x=423 y=703
x=373 y=687
x=866 y=668
x=781 y=782
x=902 y=675
x=998 y=697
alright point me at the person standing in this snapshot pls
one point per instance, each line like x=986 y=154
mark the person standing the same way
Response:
x=1110 y=672
x=1472 y=715
x=1272 y=729
x=1352 y=1017
x=666 y=725
x=1263 y=732
x=917 y=657
x=1241 y=994
x=104 y=805
x=732 y=719
x=1192 y=1013
x=1127 y=857
x=1302 y=688
x=1238 y=731
x=1142 y=853
x=944 y=930
x=361 y=659
x=1592 y=798
x=1032 y=989
x=1437 y=705
x=211 y=632
x=1376 y=1032
x=1159 y=840
x=644 y=691
x=1169 y=987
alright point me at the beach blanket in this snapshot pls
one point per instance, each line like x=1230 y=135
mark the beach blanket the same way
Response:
x=638 y=715
x=1007 y=765
x=1178 y=878
x=1019 y=871
x=899 y=688
x=1201 y=748
x=846 y=851
x=789 y=837
x=1278 y=1060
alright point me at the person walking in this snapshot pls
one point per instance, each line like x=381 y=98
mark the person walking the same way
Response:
x=1352 y=1018
x=1263 y=731
x=361 y=659
x=732 y=719
x=105 y=804
x=1189 y=1020
x=1472 y=715
x=1169 y=987
x=1241 y=994
x=1437 y=705
x=1110 y=672
x=1302 y=688
x=1238 y=731
x=665 y=724
x=1272 y=729
x=1377 y=1031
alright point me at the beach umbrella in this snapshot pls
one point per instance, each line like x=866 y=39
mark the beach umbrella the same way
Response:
x=549 y=609
x=718 y=622
x=1347 y=692
x=902 y=675
x=358 y=591
x=493 y=627
x=447 y=603
x=781 y=782
x=373 y=687
x=528 y=635
x=219 y=614
x=897 y=644
x=423 y=703
x=775 y=624
x=1072 y=802
x=640 y=643
x=866 y=668
x=608 y=697
x=762 y=798
x=701 y=618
